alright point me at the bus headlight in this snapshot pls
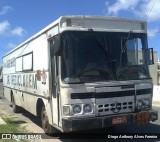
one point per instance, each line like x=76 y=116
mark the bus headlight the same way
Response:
x=87 y=108
x=147 y=102
x=77 y=109
x=143 y=104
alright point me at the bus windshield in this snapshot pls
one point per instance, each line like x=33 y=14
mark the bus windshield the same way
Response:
x=103 y=56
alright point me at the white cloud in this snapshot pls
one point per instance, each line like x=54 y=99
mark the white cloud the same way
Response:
x=152 y=32
x=5 y=9
x=11 y=45
x=145 y=9
x=120 y=5
x=6 y=30
x=19 y=31
x=4 y=26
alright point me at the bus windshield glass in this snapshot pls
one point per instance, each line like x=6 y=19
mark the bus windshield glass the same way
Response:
x=103 y=56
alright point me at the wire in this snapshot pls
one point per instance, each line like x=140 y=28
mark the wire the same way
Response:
x=19 y=54
x=151 y=9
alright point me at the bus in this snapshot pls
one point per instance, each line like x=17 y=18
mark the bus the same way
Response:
x=82 y=73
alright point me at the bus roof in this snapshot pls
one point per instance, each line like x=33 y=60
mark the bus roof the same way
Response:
x=80 y=19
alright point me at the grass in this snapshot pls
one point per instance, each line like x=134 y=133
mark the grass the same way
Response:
x=12 y=126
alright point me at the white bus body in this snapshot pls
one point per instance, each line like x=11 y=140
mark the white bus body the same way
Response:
x=82 y=72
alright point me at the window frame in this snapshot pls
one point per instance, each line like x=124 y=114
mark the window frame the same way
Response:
x=30 y=53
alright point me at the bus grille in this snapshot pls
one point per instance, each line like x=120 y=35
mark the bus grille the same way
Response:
x=115 y=107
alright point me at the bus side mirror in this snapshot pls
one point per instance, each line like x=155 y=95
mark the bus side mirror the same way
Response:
x=56 y=45
x=150 y=56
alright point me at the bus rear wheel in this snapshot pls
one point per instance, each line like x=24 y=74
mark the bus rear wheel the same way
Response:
x=15 y=108
x=48 y=129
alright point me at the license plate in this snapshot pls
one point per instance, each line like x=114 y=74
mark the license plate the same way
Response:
x=119 y=120
x=143 y=117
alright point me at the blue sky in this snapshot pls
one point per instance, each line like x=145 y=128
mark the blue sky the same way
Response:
x=20 y=19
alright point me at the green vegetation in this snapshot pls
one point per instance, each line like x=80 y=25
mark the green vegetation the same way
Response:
x=12 y=126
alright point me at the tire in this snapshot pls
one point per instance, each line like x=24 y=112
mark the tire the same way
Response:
x=15 y=108
x=48 y=129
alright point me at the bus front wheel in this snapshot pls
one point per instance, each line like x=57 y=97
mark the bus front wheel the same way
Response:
x=48 y=129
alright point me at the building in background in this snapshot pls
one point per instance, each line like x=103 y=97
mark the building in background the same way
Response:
x=1 y=77
x=152 y=68
x=158 y=72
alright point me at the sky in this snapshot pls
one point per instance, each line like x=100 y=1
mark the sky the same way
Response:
x=20 y=19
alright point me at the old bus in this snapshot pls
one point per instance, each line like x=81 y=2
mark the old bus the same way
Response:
x=83 y=72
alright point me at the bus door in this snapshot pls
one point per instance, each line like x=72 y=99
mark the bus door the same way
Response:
x=55 y=86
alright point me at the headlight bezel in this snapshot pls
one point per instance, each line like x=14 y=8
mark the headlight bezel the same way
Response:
x=78 y=109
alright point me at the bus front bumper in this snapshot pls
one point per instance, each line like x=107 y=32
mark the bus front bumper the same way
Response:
x=78 y=124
